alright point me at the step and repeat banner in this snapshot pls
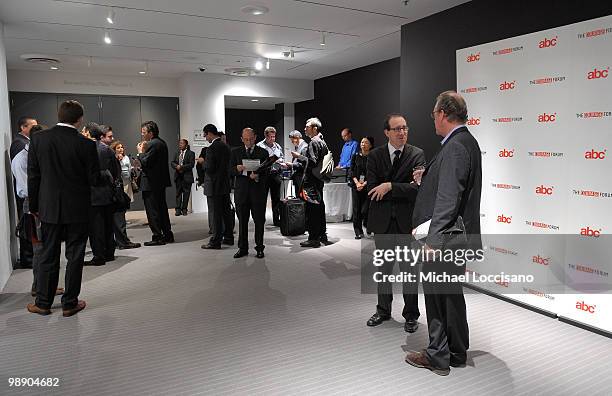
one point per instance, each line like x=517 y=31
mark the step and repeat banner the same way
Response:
x=540 y=106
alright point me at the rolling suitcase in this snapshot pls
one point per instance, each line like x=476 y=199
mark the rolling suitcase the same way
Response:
x=292 y=216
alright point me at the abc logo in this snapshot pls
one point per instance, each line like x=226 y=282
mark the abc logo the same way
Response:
x=506 y=153
x=473 y=121
x=504 y=219
x=546 y=43
x=473 y=57
x=544 y=190
x=541 y=260
x=507 y=85
x=547 y=117
x=595 y=155
x=587 y=231
x=585 y=307
x=595 y=74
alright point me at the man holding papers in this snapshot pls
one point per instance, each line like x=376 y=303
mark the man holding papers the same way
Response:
x=250 y=192
x=449 y=198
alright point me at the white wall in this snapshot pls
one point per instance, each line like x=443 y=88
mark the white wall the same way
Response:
x=6 y=208
x=60 y=82
x=202 y=100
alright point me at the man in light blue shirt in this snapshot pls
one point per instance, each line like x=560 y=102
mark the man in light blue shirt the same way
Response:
x=348 y=150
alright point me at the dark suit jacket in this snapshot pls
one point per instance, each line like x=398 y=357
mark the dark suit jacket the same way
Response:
x=18 y=144
x=216 y=168
x=398 y=201
x=186 y=173
x=450 y=188
x=200 y=167
x=246 y=189
x=154 y=163
x=102 y=195
x=62 y=167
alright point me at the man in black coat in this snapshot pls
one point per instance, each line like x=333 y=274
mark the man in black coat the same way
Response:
x=102 y=210
x=250 y=193
x=217 y=187
x=450 y=189
x=153 y=157
x=62 y=167
x=24 y=125
x=393 y=192
x=183 y=163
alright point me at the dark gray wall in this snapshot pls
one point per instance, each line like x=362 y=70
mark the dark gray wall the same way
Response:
x=428 y=64
x=238 y=119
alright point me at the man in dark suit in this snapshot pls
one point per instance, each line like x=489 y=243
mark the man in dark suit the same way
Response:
x=153 y=157
x=450 y=189
x=102 y=210
x=217 y=186
x=24 y=125
x=183 y=163
x=62 y=167
x=250 y=193
x=393 y=192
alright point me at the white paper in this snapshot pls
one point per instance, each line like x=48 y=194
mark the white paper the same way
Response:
x=250 y=164
x=422 y=230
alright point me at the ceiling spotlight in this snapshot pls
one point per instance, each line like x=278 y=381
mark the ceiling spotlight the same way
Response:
x=107 y=38
x=267 y=64
x=258 y=65
x=254 y=100
x=146 y=68
x=255 y=9
x=111 y=17
x=323 y=39
x=54 y=68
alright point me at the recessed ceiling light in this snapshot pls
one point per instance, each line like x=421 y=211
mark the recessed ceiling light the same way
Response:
x=255 y=9
x=54 y=68
x=142 y=72
x=107 y=38
x=258 y=65
x=254 y=100
x=111 y=16
x=146 y=68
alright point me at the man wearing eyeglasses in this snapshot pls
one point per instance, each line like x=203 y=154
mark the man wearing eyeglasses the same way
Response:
x=392 y=191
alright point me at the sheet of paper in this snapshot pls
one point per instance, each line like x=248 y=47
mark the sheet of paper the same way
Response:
x=422 y=230
x=250 y=164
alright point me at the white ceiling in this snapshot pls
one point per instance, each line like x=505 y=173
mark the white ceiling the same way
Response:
x=179 y=36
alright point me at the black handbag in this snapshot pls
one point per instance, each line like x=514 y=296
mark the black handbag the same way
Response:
x=120 y=199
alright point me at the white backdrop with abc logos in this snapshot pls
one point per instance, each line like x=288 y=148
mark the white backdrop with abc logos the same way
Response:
x=540 y=106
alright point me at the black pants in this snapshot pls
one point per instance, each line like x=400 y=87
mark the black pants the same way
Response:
x=222 y=219
x=390 y=240
x=120 y=229
x=183 y=190
x=26 y=253
x=361 y=203
x=101 y=237
x=244 y=211
x=273 y=184
x=157 y=213
x=49 y=263
x=210 y=203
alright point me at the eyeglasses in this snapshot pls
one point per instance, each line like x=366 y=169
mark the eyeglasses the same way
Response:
x=433 y=114
x=403 y=128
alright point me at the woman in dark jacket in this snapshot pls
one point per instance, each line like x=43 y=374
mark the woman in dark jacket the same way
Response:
x=358 y=182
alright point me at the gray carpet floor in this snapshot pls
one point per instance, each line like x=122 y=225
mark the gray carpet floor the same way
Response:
x=177 y=320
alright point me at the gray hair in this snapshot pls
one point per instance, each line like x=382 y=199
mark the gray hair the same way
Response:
x=453 y=106
x=314 y=122
x=269 y=129
x=295 y=134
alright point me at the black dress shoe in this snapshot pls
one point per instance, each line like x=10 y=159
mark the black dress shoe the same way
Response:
x=359 y=236
x=260 y=254
x=457 y=362
x=209 y=246
x=228 y=242
x=130 y=245
x=178 y=213
x=377 y=319
x=312 y=244
x=109 y=258
x=184 y=211
x=159 y=242
x=411 y=325
x=241 y=253
x=95 y=262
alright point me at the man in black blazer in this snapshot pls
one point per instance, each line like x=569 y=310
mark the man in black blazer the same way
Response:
x=217 y=186
x=250 y=193
x=450 y=188
x=183 y=163
x=102 y=210
x=153 y=157
x=62 y=167
x=393 y=191
x=21 y=140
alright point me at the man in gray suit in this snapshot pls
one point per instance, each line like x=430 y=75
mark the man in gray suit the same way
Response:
x=449 y=193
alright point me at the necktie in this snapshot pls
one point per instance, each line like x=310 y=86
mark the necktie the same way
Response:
x=181 y=156
x=397 y=154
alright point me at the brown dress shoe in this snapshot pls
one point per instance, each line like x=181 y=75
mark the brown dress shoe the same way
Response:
x=79 y=307
x=58 y=292
x=33 y=308
x=420 y=360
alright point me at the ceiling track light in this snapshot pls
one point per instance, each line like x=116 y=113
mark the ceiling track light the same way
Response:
x=323 y=39
x=268 y=64
x=107 y=38
x=110 y=18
